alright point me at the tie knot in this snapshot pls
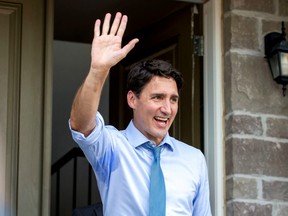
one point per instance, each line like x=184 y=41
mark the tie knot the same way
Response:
x=157 y=151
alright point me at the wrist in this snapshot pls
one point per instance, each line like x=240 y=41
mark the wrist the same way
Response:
x=99 y=72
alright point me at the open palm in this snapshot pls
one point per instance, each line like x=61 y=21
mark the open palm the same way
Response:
x=107 y=48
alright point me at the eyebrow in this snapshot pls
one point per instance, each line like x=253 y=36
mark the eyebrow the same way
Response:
x=163 y=94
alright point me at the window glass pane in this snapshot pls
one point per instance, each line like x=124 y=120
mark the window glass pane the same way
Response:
x=284 y=64
x=274 y=65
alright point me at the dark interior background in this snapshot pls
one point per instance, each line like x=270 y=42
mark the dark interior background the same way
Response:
x=74 y=20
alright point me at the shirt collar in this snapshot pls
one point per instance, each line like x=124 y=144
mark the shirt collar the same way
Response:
x=136 y=138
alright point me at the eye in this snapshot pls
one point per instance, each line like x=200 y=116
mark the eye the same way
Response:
x=174 y=100
x=157 y=97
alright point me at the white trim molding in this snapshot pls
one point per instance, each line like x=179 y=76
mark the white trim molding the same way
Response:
x=213 y=104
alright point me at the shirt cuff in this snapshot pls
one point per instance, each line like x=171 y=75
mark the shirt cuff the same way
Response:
x=80 y=137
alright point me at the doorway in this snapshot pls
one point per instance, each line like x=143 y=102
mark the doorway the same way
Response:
x=169 y=37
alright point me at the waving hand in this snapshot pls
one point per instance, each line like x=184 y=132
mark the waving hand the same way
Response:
x=107 y=47
x=106 y=52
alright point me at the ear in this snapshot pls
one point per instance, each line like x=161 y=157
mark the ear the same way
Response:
x=131 y=99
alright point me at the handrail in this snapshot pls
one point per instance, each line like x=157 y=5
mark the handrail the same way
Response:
x=73 y=154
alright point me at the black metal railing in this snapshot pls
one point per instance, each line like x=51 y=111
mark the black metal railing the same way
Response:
x=72 y=155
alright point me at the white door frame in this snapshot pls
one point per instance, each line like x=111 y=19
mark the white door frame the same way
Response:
x=213 y=104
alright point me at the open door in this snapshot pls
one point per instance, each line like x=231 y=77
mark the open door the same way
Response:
x=170 y=39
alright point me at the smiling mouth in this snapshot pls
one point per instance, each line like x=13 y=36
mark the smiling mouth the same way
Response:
x=161 y=120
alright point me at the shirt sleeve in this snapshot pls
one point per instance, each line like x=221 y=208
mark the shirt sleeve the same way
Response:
x=98 y=147
x=80 y=138
x=202 y=200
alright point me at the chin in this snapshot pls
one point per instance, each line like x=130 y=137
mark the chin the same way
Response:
x=160 y=136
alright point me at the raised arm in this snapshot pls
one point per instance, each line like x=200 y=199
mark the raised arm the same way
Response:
x=106 y=52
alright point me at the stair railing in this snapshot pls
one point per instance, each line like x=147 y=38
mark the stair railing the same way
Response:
x=73 y=154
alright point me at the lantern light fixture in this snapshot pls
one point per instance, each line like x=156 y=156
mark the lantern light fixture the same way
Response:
x=276 y=52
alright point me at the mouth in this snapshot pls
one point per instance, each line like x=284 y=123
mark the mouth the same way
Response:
x=161 y=120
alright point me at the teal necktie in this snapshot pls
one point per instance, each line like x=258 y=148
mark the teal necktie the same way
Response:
x=157 y=198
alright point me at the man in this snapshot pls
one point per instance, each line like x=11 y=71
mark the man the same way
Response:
x=123 y=161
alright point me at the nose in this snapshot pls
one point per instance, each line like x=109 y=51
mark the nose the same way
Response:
x=166 y=107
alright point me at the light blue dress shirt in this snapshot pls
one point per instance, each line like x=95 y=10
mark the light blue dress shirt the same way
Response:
x=122 y=168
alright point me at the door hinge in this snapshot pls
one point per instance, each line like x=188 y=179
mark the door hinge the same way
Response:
x=198 y=45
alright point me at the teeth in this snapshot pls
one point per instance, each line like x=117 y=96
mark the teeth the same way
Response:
x=161 y=118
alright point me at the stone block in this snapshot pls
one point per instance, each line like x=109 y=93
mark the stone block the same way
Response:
x=275 y=190
x=256 y=157
x=244 y=124
x=241 y=32
x=241 y=188
x=226 y=6
x=283 y=8
x=249 y=86
x=272 y=26
x=266 y=6
x=281 y=210
x=248 y=209
x=277 y=127
x=227 y=33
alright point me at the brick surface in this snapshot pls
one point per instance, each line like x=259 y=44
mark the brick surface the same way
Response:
x=266 y=6
x=283 y=8
x=277 y=128
x=226 y=5
x=275 y=190
x=281 y=210
x=242 y=32
x=251 y=156
x=249 y=86
x=227 y=34
x=272 y=26
x=248 y=209
x=228 y=82
x=244 y=124
x=242 y=188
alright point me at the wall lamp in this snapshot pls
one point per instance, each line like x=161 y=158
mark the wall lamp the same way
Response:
x=276 y=52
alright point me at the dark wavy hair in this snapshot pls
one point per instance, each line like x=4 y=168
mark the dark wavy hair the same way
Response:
x=142 y=72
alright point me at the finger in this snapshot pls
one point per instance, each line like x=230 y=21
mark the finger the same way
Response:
x=97 y=28
x=128 y=47
x=122 y=26
x=106 y=24
x=115 y=24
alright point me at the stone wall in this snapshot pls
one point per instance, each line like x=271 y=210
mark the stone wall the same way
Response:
x=256 y=113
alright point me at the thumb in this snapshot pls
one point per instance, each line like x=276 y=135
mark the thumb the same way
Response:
x=128 y=47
